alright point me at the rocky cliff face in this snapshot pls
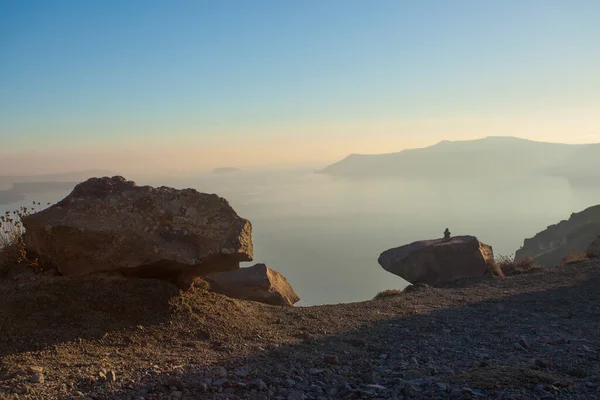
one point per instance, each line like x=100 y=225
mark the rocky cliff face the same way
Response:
x=574 y=235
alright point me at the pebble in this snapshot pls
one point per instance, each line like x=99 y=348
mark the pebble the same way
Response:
x=241 y=373
x=222 y=382
x=524 y=343
x=290 y=382
x=176 y=383
x=518 y=347
x=38 y=378
x=111 y=377
x=259 y=385
x=377 y=387
x=294 y=395
x=175 y=395
x=220 y=372
x=333 y=360
x=315 y=371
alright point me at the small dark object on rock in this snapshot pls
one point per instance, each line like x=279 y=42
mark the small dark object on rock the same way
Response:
x=447 y=235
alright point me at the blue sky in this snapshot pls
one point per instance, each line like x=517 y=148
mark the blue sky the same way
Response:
x=316 y=79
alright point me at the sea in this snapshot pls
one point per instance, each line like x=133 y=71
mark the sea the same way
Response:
x=324 y=233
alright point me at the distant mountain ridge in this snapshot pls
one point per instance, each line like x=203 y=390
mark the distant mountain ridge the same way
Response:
x=495 y=155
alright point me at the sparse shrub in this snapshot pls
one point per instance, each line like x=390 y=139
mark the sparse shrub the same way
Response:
x=574 y=258
x=387 y=293
x=201 y=284
x=12 y=246
x=507 y=266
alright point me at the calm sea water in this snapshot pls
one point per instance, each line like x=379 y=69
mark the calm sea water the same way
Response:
x=325 y=233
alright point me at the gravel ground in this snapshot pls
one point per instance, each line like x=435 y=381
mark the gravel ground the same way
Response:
x=533 y=336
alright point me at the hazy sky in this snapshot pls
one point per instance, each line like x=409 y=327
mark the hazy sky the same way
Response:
x=186 y=85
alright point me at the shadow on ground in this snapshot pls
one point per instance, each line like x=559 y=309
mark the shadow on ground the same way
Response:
x=542 y=342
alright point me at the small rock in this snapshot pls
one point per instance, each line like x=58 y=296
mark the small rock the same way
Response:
x=241 y=373
x=294 y=395
x=333 y=360
x=412 y=374
x=577 y=373
x=38 y=378
x=203 y=387
x=411 y=390
x=541 y=363
x=220 y=372
x=111 y=377
x=518 y=347
x=524 y=343
x=259 y=385
x=176 y=383
x=175 y=395
x=315 y=371
x=377 y=387
x=290 y=383
x=223 y=382
x=383 y=356
x=33 y=369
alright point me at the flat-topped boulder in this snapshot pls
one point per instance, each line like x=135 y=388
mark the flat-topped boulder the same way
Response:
x=440 y=260
x=256 y=283
x=111 y=224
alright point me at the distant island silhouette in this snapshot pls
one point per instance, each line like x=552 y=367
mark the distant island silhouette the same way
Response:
x=488 y=157
x=226 y=170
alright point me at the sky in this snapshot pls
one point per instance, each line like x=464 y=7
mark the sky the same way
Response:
x=145 y=85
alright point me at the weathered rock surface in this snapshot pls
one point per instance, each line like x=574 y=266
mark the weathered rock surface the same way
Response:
x=257 y=283
x=594 y=249
x=111 y=224
x=557 y=241
x=436 y=261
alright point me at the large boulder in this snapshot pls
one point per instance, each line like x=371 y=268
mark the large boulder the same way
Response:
x=557 y=241
x=111 y=224
x=256 y=283
x=436 y=261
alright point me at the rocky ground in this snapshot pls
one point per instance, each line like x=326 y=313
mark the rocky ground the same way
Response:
x=534 y=336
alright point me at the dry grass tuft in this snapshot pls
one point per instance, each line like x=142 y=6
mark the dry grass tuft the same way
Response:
x=12 y=247
x=574 y=258
x=507 y=266
x=387 y=293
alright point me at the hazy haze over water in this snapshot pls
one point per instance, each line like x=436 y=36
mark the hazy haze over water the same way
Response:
x=324 y=234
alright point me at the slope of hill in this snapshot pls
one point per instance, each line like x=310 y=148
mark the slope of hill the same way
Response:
x=527 y=336
x=500 y=156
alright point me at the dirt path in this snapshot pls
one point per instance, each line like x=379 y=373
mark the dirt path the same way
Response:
x=529 y=336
